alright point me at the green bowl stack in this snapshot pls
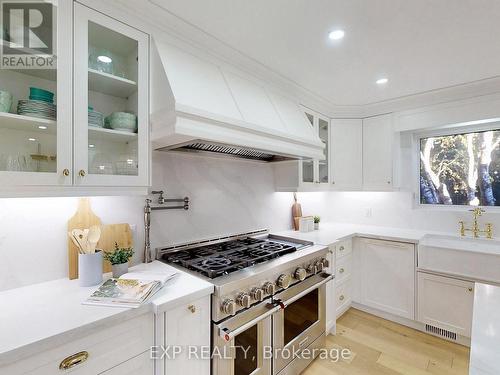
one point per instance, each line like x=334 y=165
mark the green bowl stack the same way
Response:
x=40 y=94
x=5 y=101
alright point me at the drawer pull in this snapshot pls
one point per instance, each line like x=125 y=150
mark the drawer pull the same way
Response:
x=192 y=308
x=341 y=297
x=341 y=248
x=341 y=270
x=73 y=360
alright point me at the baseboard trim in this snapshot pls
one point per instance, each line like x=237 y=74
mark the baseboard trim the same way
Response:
x=462 y=340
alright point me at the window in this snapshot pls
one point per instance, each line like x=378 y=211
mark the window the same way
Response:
x=461 y=169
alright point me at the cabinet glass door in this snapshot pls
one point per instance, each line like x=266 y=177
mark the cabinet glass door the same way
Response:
x=111 y=101
x=35 y=95
x=308 y=164
x=324 y=132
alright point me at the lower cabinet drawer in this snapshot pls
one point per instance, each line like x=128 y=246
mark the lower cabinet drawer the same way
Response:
x=343 y=296
x=140 y=365
x=343 y=268
x=92 y=354
x=343 y=248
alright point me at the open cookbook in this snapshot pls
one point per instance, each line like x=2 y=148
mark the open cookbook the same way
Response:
x=130 y=290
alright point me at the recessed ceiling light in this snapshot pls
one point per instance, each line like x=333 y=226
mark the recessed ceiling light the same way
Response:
x=104 y=59
x=336 y=34
x=32 y=139
x=382 y=81
x=43 y=127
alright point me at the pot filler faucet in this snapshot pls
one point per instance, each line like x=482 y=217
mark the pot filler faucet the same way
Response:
x=476 y=212
x=160 y=205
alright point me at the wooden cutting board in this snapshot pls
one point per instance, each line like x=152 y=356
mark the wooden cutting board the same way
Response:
x=82 y=219
x=111 y=233
x=296 y=212
x=119 y=233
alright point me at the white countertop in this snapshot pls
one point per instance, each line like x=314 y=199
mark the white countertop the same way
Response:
x=40 y=316
x=485 y=340
x=329 y=233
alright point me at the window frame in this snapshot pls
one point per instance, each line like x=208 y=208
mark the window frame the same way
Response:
x=439 y=132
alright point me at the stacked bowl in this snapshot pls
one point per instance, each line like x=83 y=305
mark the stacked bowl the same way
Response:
x=123 y=121
x=96 y=119
x=5 y=101
x=40 y=104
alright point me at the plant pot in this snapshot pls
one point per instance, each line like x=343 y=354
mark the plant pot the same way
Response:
x=316 y=226
x=119 y=269
x=90 y=268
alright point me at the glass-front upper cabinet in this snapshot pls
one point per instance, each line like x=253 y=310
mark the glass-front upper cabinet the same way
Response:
x=317 y=171
x=110 y=101
x=35 y=93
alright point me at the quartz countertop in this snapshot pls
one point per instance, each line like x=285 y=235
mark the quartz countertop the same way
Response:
x=485 y=340
x=329 y=233
x=40 y=316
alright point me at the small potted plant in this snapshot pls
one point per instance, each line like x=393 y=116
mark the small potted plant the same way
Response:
x=317 y=219
x=119 y=259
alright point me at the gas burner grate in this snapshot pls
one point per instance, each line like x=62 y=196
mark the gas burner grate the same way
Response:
x=223 y=258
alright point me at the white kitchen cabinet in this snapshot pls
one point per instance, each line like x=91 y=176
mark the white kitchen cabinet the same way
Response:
x=445 y=303
x=330 y=292
x=67 y=153
x=110 y=75
x=140 y=365
x=307 y=174
x=347 y=154
x=378 y=153
x=385 y=276
x=187 y=326
x=342 y=291
x=120 y=344
x=34 y=150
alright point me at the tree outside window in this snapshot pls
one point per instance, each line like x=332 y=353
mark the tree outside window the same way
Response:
x=461 y=169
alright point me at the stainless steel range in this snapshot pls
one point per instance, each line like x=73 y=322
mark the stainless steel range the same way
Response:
x=269 y=298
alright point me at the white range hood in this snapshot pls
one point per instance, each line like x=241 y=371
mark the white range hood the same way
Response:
x=200 y=106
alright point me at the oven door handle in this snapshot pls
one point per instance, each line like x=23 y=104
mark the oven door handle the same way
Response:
x=227 y=335
x=307 y=291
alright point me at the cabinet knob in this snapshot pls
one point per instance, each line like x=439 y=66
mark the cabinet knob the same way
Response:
x=341 y=270
x=66 y=172
x=341 y=248
x=73 y=360
x=389 y=182
x=192 y=308
x=341 y=297
x=81 y=173
x=470 y=289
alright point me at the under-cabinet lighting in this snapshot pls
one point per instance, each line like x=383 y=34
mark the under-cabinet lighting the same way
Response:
x=43 y=127
x=382 y=81
x=336 y=34
x=91 y=146
x=105 y=59
x=32 y=139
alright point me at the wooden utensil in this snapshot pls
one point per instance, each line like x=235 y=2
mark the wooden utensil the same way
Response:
x=93 y=237
x=83 y=218
x=114 y=233
x=75 y=241
x=296 y=212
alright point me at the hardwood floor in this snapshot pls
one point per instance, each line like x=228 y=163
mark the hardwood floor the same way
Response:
x=381 y=347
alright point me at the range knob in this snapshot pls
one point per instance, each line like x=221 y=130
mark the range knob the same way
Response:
x=300 y=274
x=269 y=288
x=312 y=268
x=228 y=307
x=319 y=266
x=284 y=281
x=257 y=294
x=325 y=262
x=243 y=299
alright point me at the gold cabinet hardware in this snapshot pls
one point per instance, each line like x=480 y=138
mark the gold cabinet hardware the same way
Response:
x=341 y=270
x=73 y=360
x=66 y=172
x=192 y=308
x=81 y=173
x=341 y=297
x=470 y=289
x=341 y=248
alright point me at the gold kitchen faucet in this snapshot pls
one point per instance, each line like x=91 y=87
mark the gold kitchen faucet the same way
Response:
x=476 y=212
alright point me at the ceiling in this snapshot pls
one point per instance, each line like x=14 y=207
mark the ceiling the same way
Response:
x=420 y=45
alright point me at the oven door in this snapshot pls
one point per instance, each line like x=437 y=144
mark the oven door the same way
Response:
x=301 y=321
x=239 y=342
